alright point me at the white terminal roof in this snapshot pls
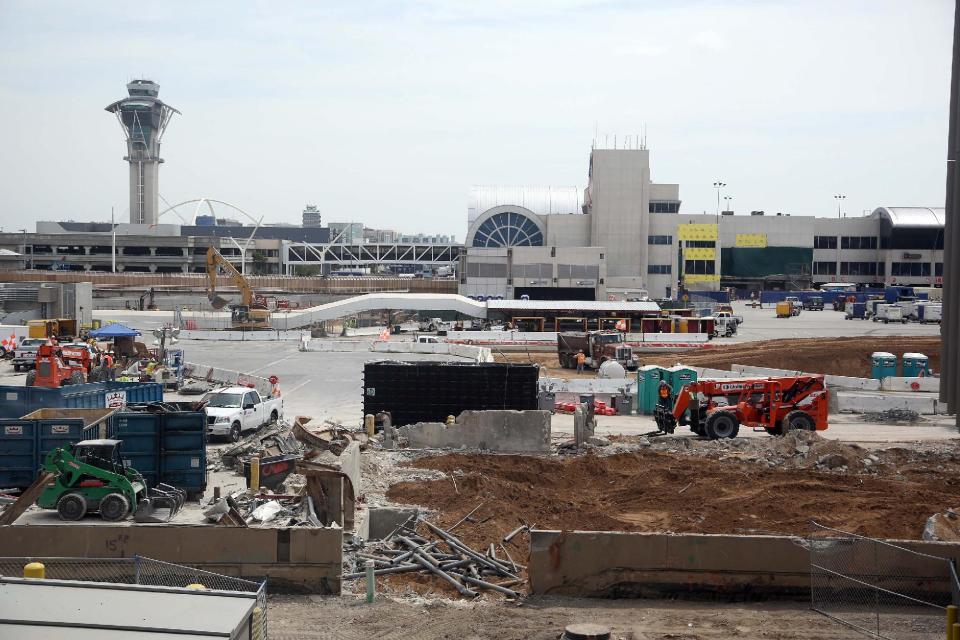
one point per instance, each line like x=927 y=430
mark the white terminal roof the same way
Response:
x=913 y=216
x=572 y=305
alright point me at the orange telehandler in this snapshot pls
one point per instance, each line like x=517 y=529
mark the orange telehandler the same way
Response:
x=717 y=408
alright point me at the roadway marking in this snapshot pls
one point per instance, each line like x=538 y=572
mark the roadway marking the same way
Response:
x=270 y=364
x=287 y=393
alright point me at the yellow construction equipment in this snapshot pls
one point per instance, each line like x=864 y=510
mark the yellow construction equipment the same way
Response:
x=784 y=310
x=250 y=313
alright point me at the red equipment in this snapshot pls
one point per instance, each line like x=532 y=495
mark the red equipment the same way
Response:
x=717 y=408
x=52 y=371
x=81 y=355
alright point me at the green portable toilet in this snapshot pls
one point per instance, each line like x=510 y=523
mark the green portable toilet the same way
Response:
x=648 y=382
x=884 y=365
x=678 y=376
x=915 y=364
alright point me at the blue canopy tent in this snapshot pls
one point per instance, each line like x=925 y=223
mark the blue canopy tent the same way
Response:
x=112 y=331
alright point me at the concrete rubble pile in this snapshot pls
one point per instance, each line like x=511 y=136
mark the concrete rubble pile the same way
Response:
x=440 y=553
x=292 y=492
x=893 y=416
x=943 y=527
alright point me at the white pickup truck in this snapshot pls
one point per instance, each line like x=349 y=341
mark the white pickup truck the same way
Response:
x=25 y=355
x=233 y=410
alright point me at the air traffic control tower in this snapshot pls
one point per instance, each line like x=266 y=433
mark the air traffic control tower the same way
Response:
x=144 y=118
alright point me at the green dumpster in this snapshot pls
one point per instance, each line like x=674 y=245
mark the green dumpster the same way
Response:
x=883 y=365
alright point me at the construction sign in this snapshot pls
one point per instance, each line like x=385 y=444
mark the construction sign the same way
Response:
x=9 y=343
x=752 y=240
x=697 y=232
x=700 y=253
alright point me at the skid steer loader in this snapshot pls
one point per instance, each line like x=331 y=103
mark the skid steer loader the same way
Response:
x=91 y=476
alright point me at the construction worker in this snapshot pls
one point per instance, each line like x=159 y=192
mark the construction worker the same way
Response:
x=581 y=359
x=108 y=366
x=664 y=393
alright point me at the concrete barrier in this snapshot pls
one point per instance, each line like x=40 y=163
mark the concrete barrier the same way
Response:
x=243 y=336
x=925 y=404
x=840 y=382
x=226 y=377
x=495 y=430
x=590 y=385
x=295 y=559
x=662 y=340
x=925 y=384
x=704 y=373
x=697 y=566
x=477 y=354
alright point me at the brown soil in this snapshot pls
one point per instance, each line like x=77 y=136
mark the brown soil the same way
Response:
x=835 y=356
x=654 y=491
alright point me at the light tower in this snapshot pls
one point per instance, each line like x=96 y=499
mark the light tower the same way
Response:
x=143 y=118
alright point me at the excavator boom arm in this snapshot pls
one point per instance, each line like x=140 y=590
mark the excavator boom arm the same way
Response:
x=214 y=262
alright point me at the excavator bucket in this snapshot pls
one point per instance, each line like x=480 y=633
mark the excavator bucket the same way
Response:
x=216 y=301
x=161 y=504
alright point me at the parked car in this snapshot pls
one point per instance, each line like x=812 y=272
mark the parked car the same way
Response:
x=25 y=355
x=233 y=410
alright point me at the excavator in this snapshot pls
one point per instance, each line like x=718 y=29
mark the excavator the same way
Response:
x=250 y=313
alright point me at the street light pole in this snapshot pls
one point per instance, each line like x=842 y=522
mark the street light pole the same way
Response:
x=728 y=200
x=718 y=186
x=839 y=198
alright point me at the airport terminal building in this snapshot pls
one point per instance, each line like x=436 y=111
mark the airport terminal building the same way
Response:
x=627 y=237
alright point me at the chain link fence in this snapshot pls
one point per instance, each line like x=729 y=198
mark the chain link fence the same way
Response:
x=877 y=588
x=147 y=572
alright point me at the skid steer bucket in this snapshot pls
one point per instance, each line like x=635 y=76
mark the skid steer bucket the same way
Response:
x=161 y=504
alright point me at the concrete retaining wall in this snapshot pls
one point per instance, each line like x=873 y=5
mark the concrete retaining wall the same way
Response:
x=925 y=404
x=926 y=384
x=506 y=431
x=298 y=559
x=704 y=373
x=226 y=376
x=634 y=565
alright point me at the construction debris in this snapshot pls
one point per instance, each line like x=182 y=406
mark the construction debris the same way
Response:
x=893 y=416
x=333 y=437
x=441 y=553
x=943 y=527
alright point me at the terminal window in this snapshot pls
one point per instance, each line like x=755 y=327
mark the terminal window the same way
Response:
x=858 y=242
x=659 y=239
x=699 y=267
x=858 y=268
x=825 y=268
x=659 y=269
x=701 y=244
x=664 y=207
x=916 y=269
x=824 y=242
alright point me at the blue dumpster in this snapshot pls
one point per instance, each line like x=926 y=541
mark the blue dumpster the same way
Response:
x=883 y=365
x=915 y=364
x=16 y=401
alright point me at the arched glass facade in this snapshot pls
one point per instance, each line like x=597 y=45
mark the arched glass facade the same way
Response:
x=508 y=229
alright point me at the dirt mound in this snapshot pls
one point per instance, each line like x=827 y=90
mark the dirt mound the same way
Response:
x=658 y=491
x=834 y=356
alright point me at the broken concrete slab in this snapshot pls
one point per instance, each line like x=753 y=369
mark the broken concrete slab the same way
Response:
x=386 y=520
x=494 y=430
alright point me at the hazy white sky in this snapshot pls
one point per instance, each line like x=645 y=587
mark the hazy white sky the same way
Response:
x=385 y=112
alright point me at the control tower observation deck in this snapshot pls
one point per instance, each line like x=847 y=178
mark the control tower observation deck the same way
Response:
x=143 y=118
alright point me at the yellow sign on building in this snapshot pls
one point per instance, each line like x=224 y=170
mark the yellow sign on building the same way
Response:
x=691 y=278
x=697 y=232
x=700 y=253
x=752 y=240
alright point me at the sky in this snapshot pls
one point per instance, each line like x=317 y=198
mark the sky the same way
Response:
x=386 y=112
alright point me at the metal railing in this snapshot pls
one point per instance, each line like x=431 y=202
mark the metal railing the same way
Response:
x=138 y=570
x=877 y=588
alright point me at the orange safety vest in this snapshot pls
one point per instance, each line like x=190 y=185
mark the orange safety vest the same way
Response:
x=581 y=358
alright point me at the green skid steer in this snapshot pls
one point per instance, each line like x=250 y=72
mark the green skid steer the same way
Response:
x=91 y=476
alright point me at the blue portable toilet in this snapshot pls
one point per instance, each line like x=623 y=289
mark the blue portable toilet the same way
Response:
x=915 y=364
x=884 y=365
